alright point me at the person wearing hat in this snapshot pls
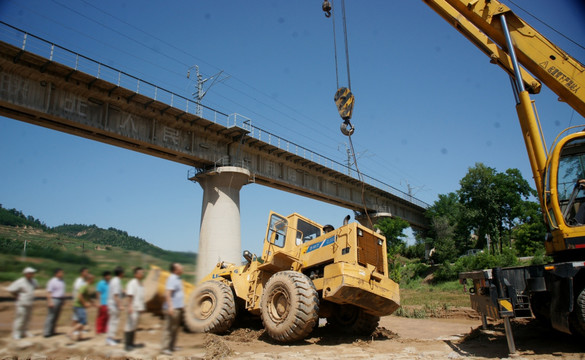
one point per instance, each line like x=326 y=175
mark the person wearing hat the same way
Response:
x=24 y=291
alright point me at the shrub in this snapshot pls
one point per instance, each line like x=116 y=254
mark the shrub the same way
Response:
x=480 y=261
x=403 y=270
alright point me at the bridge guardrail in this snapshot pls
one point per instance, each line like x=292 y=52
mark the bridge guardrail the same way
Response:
x=53 y=52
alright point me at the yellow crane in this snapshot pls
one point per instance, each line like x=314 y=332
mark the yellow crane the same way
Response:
x=555 y=292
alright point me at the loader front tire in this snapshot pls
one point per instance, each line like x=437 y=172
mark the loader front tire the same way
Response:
x=211 y=308
x=289 y=306
x=350 y=319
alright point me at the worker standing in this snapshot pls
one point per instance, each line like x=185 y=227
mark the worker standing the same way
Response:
x=24 y=291
x=55 y=300
x=77 y=284
x=83 y=301
x=101 y=322
x=80 y=281
x=135 y=294
x=173 y=307
x=114 y=305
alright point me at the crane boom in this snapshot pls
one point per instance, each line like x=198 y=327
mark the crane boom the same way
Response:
x=496 y=54
x=560 y=72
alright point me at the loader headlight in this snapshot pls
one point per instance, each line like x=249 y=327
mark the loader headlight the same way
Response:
x=360 y=232
x=380 y=242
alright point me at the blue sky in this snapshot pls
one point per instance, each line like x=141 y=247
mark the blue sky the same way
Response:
x=429 y=105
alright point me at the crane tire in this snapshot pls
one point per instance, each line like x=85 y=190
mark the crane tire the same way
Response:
x=350 y=319
x=578 y=320
x=211 y=308
x=289 y=306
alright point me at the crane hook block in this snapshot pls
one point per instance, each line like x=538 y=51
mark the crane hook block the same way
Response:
x=327 y=8
x=347 y=128
x=344 y=100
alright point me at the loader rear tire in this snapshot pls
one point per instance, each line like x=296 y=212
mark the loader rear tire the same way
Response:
x=350 y=319
x=211 y=308
x=289 y=306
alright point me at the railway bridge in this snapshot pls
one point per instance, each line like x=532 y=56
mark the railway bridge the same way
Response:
x=47 y=85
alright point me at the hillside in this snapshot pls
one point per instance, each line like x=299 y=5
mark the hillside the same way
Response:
x=73 y=246
x=112 y=237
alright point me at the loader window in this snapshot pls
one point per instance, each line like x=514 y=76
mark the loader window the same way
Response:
x=306 y=232
x=277 y=230
x=571 y=171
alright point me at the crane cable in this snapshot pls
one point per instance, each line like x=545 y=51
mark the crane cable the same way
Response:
x=344 y=98
x=346 y=43
x=361 y=179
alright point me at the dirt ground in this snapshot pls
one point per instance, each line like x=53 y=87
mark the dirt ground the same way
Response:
x=458 y=336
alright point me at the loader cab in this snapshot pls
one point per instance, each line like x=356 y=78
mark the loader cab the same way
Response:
x=565 y=194
x=285 y=235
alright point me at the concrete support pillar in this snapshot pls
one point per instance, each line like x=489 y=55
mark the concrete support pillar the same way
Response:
x=220 y=234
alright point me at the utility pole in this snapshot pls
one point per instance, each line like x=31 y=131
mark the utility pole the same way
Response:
x=349 y=162
x=410 y=192
x=200 y=82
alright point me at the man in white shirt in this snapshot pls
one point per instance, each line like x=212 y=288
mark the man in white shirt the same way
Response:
x=135 y=294
x=114 y=305
x=24 y=291
x=55 y=300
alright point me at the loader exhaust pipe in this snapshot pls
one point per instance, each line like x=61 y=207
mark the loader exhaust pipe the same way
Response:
x=346 y=220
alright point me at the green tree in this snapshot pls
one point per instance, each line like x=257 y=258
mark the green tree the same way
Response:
x=447 y=233
x=393 y=230
x=529 y=235
x=493 y=203
x=444 y=244
x=478 y=197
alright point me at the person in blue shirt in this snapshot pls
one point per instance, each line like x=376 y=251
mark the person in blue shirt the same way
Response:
x=102 y=292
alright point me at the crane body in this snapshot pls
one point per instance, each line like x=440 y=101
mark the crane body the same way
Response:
x=554 y=292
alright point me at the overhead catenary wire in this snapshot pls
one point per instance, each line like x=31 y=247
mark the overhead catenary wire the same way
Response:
x=210 y=65
x=186 y=65
x=547 y=25
x=174 y=59
x=178 y=60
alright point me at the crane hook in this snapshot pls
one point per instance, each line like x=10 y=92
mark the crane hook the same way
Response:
x=347 y=128
x=327 y=8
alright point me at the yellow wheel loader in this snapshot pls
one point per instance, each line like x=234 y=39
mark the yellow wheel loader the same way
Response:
x=306 y=271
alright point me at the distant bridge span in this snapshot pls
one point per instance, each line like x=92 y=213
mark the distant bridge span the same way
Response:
x=127 y=112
